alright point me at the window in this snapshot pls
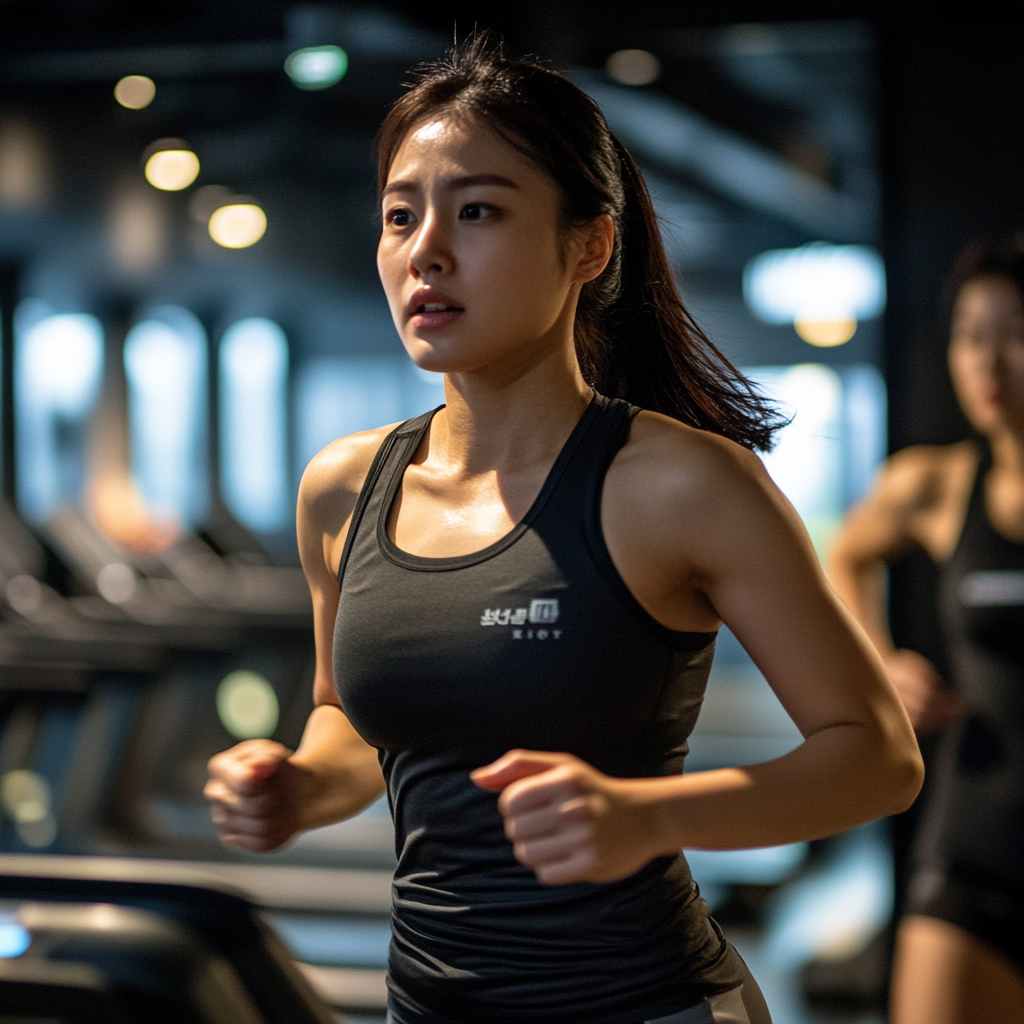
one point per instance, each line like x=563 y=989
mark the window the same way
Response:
x=58 y=370
x=165 y=363
x=253 y=423
x=339 y=396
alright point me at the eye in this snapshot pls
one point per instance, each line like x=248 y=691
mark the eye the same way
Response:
x=399 y=217
x=475 y=211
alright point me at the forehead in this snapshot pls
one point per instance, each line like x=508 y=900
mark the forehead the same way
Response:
x=460 y=144
x=989 y=292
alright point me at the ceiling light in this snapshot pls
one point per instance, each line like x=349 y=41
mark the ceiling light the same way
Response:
x=171 y=165
x=633 y=67
x=822 y=289
x=317 y=67
x=237 y=225
x=826 y=333
x=135 y=91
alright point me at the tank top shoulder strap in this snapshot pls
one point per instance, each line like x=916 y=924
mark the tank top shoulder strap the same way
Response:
x=393 y=452
x=976 y=520
x=580 y=469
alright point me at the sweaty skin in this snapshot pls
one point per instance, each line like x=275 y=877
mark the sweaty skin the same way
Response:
x=483 y=285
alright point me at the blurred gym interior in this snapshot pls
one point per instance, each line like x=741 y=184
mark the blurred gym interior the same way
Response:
x=189 y=311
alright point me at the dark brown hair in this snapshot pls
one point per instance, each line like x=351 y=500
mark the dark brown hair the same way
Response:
x=634 y=337
x=999 y=256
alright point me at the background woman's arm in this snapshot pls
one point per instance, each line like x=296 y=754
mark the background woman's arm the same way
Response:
x=877 y=531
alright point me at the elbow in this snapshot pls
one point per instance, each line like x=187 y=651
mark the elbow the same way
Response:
x=904 y=778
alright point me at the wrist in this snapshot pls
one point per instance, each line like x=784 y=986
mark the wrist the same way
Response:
x=655 y=817
x=298 y=795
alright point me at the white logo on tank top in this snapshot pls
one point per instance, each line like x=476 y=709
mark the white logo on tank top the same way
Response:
x=990 y=589
x=543 y=611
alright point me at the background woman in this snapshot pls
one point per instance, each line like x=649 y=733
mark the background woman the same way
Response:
x=960 y=949
x=531 y=580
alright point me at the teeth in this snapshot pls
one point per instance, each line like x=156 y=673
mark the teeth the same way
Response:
x=434 y=307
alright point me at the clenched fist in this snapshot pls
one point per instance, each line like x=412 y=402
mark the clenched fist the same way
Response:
x=255 y=794
x=568 y=821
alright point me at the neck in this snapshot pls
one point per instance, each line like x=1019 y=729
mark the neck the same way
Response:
x=511 y=416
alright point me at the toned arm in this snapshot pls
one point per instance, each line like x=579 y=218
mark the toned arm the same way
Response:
x=701 y=535
x=731 y=537
x=919 y=500
x=261 y=793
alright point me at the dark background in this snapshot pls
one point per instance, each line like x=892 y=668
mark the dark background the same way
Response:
x=951 y=111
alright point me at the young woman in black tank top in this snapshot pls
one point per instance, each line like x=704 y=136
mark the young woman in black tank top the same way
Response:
x=517 y=596
x=960 y=946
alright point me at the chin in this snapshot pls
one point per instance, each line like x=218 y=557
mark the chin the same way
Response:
x=440 y=355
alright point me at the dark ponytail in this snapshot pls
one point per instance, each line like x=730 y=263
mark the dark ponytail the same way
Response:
x=634 y=337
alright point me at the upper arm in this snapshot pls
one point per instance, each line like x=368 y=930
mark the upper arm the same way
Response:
x=734 y=538
x=888 y=520
x=327 y=498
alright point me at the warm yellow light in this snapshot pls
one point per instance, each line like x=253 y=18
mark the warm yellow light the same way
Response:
x=237 y=225
x=135 y=91
x=172 y=169
x=826 y=333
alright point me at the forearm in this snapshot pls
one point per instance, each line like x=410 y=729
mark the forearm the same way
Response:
x=839 y=777
x=342 y=773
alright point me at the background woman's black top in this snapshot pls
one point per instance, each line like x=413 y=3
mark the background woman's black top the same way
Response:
x=974 y=820
x=444 y=664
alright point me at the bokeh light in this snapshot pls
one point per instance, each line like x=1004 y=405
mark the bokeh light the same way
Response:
x=247 y=705
x=27 y=799
x=171 y=165
x=14 y=939
x=633 y=67
x=317 y=67
x=826 y=333
x=822 y=289
x=135 y=91
x=237 y=225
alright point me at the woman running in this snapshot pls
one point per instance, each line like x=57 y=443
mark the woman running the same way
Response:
x=960 y=947
x=517 y=595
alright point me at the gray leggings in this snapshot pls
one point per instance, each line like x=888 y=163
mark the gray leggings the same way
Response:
x=743 y=1004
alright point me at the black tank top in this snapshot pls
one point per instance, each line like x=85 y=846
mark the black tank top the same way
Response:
x=444 y=664
x=975 y=815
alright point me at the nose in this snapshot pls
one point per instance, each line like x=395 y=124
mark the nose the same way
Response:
x=431 y=251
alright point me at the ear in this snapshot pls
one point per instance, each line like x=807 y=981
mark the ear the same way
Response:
x=596 y=241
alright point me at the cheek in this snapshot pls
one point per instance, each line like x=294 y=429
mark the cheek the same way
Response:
x=966 y=368
x=389 y=270
x=523 y=276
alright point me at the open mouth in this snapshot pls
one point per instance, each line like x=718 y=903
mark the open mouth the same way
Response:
x=436 y=307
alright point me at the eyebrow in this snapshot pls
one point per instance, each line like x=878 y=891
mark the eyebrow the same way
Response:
x=464 y=181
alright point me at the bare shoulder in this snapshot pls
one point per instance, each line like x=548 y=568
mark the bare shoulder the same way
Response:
x=691 y=518
x=332 y=481
x=671 y=464
x=926 y=477
x=688 y=495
